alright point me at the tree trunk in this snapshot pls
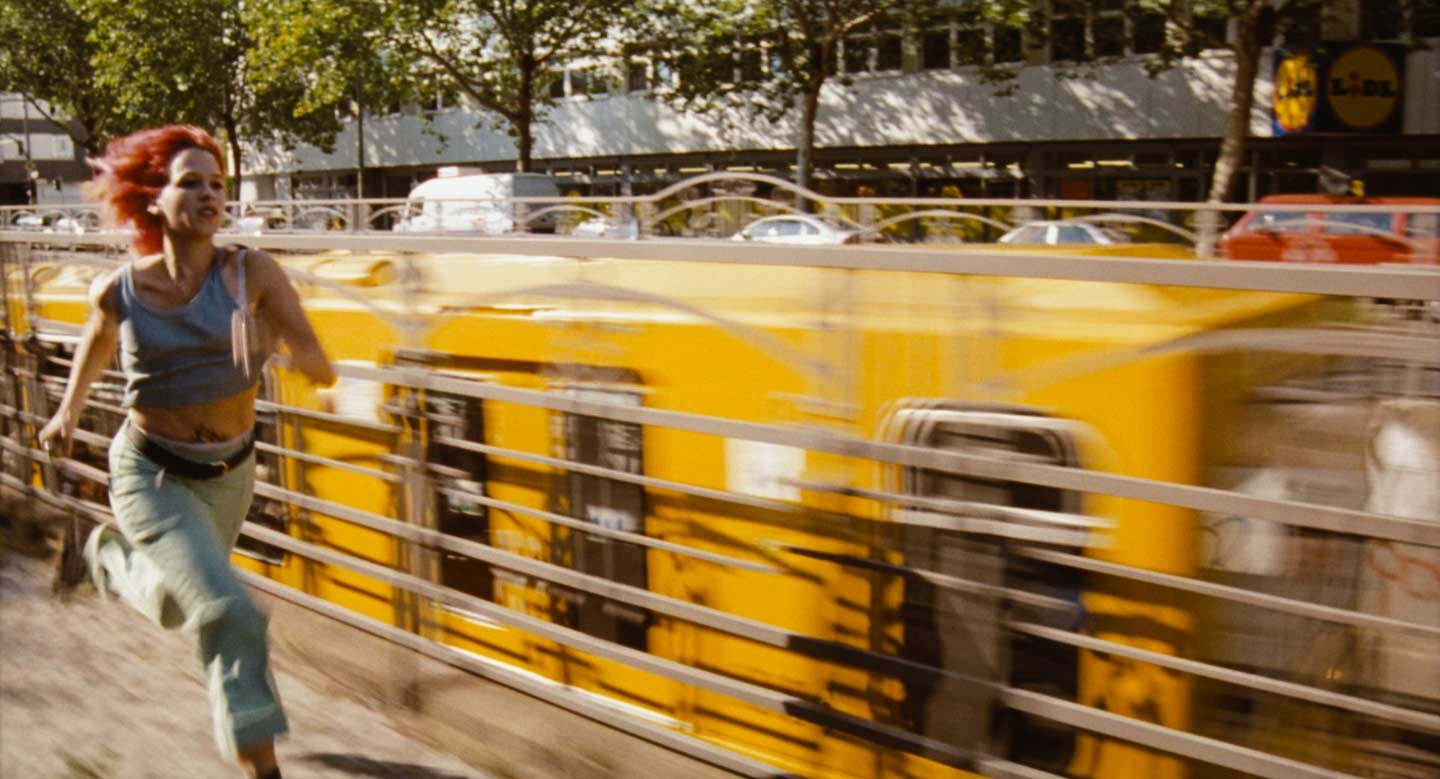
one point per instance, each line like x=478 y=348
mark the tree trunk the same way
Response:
x=525 y=114
x=359 y=146
x=1237 y=124
x=232 y=137
x=805 y=148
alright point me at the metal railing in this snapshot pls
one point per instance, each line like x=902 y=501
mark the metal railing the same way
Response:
x=1393 y=338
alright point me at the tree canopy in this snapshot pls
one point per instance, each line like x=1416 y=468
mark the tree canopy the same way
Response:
x=505 y=54
x=48 y=58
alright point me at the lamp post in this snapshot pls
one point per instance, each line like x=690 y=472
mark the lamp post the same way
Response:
x=31 y=175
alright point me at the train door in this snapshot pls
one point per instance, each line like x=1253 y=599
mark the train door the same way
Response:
x=608 y=503
x=451 y=421
x=963 y=631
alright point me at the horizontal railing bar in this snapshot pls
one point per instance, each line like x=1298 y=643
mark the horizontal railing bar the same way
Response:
x=324 y=416
x=1151 y=735
x=1315 y=516
x=57 y=325
x=991 y=527
x=750 y=693
x=1004 y=769
x=1420 y=720
x=622 y=476
x=329 y=462
x=581 y=525
x=1226 y=592
x=640 y=597
x=1075 y=521
x=944 y=581
x=1385 y=281
x=499 y=673
x=281 y=207
x=378 y=522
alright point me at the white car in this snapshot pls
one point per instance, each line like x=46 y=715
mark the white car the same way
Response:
x=796 y=228
x=1063 y=233
x=600 y=227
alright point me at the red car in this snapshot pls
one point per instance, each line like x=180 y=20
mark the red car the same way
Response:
x=1403 y=234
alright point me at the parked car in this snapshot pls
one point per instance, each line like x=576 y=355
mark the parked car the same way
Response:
x=1401 y=234
x=476 y=203
x=29 y=222
x=601 y=227
x=798 y=229
x=1058 y=233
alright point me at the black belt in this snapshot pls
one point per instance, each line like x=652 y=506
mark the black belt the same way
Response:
x=179 y=466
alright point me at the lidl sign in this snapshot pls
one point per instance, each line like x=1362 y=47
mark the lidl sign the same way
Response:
x=1340 y=88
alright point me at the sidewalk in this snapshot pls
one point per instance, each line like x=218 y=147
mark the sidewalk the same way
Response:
x=89 y=690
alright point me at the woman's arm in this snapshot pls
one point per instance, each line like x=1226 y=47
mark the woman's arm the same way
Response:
x=280 y=304
x=97 y=348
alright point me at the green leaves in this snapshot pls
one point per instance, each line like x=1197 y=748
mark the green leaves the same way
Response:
x=503 y=54
x=47 y=56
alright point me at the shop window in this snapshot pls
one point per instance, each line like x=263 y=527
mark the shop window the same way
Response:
x=953 y=630
x=608 y=503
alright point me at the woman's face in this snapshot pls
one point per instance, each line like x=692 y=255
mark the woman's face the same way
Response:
x=192 y=202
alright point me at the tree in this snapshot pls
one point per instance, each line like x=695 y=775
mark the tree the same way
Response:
x=192 y=61
x=48 y=59
x=505 y=54
x=767 y=56
x=335 y=53
x=1196 y=25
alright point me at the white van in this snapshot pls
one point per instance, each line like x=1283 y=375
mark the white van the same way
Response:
x=477 y=203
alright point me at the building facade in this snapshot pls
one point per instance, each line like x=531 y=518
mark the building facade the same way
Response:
x=39 y=161
x=914 y=117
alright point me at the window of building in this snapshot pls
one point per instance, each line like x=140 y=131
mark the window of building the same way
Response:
x=1083 y=30
x=608 y=503
x=437 y=93
x=962 y=36
x=637 y=75
x=876 y=47
x=1067 y=31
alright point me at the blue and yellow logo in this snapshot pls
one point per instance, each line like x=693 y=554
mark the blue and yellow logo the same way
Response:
x=1340 y=88
x=1297 y=90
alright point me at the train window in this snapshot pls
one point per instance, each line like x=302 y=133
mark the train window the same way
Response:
x=452 y=417
x=609 y=503
x=957 y=631
x=269 y=468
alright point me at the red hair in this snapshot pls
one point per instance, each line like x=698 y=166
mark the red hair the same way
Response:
x=134 y=170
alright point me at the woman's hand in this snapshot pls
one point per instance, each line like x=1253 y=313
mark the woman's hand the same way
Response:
x=55 y=437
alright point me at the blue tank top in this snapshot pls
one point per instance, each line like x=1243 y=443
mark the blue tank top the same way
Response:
x=185 y=356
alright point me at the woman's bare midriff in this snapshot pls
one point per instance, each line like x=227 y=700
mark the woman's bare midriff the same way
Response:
x=218 y=420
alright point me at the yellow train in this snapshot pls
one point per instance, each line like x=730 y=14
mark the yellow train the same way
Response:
x=847 y=518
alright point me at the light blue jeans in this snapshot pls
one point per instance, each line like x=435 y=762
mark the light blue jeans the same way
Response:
x=173 y=565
